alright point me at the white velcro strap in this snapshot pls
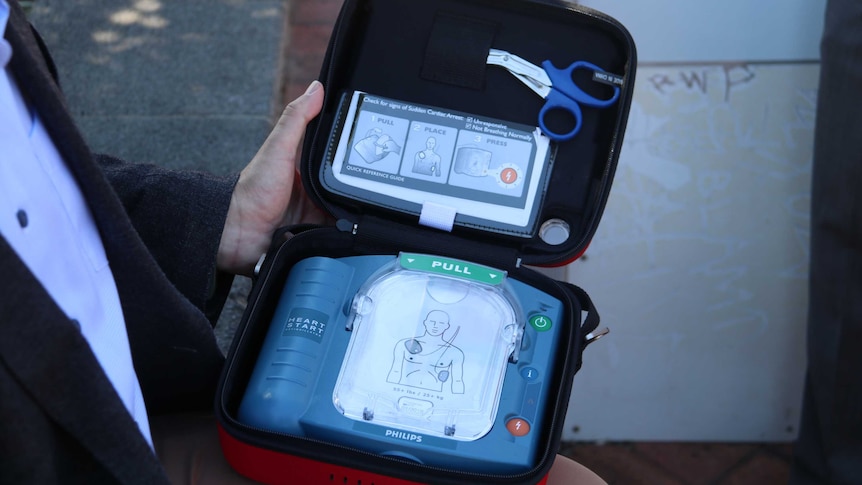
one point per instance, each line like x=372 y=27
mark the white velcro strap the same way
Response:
x=437 y=216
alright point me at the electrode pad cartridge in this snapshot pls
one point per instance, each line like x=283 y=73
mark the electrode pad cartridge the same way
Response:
x=429 y=349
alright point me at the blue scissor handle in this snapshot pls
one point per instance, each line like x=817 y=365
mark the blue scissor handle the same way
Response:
x=554 y=100
x=566 y=95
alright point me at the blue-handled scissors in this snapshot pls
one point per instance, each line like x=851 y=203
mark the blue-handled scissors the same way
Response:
x=555 y=85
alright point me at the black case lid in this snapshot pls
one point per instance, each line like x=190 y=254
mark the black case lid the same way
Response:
x=432 y=53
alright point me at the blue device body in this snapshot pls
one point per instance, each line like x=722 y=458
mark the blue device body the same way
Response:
x=291 y=387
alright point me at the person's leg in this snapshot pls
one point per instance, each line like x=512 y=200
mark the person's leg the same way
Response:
x=829 y=447
x=188 y=447
x=569 y=472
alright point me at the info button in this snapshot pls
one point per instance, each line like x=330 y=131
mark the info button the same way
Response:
x=541 y=323
x=530 y=374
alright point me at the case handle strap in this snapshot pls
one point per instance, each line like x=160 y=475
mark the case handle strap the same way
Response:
x=589 y=325
x=591 y=322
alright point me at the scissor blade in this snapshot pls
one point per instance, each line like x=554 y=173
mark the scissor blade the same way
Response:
x=533 y=76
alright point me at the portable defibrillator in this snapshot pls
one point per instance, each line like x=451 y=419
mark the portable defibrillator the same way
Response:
x=461 y=144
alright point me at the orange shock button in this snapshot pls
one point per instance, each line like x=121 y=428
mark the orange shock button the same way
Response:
x=518 y=426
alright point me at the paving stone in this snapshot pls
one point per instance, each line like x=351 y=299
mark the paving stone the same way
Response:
x=315 y=11
x=620 y=464
x=695 y=462
x=763 y=468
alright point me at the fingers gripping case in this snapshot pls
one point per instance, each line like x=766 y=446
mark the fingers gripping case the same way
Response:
x=460 y=142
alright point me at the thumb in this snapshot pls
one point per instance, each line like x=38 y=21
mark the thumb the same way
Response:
x=291 y=125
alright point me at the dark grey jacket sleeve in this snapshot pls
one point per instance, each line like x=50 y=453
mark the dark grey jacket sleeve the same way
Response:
x=179 y=215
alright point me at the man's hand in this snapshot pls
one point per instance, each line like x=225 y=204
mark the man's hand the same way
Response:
x=269 y=193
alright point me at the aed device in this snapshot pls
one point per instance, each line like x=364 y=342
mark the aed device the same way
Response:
x=431 y=359
x=460 y=144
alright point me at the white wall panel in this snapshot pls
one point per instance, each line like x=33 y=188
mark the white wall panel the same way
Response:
x=699 y=266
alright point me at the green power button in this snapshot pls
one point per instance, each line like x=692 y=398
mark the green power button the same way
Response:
x=541 y=323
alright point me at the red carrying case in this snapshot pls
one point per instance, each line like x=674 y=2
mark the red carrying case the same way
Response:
x=412 y=342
